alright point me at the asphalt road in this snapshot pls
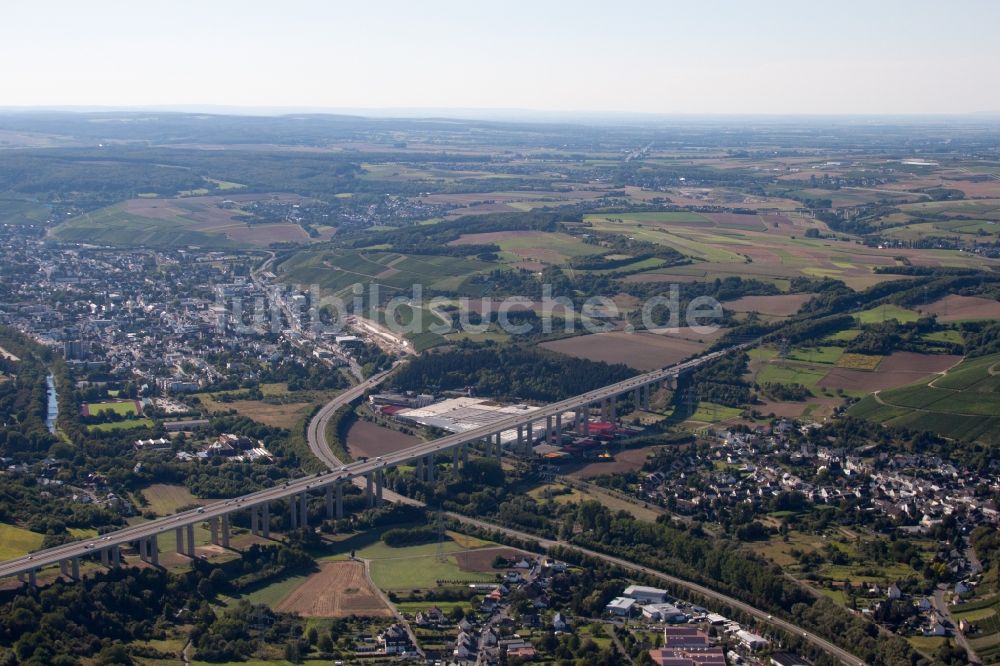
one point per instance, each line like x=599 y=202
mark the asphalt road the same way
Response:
x=320 y=447
x=355 y=472
x=316 y=434
x=337 y=473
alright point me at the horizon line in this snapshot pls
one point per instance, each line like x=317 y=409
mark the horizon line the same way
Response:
x=472 y=113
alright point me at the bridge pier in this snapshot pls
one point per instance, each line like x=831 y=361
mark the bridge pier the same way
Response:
x=531 y=434
x=266 y=520
x=213 y=527
x=340 y=501
x=328 y=498
x=305 y=510
x=62 y=568
x=559 y=429
x=499 y=450
x=116 y=556
x=33 y=578
x=418 y=469
x=430 y=468
x=75 y=565
x=190 y=541
x=225 y=530
x=255 y=520
x=104 y=557
x=549 y=438
x=368 y=490
x=380 y=481
x=465 y=455
x=141 y=547
x=152 y=548
x=520 y=438
x=179 y=537
x=455 y=452
x=611 y=408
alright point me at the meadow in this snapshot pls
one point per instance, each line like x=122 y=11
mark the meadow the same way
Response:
x=412 y=567
x=166 y=498
x=17 y=541
x=177 y=222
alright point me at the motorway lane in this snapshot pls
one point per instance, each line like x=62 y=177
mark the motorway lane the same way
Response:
x=321 y=449
x=316 y=434
x=317 y=431
x=319 y=446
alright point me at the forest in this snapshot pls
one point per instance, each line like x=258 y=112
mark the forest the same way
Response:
x=508 y=371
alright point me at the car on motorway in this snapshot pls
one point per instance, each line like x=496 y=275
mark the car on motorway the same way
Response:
x=379 y=459
x=344 y=468
x=201 y=510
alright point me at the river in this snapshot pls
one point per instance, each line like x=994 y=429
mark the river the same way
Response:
x=53 y=413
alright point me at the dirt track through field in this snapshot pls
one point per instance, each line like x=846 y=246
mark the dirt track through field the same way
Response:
x=339 y=589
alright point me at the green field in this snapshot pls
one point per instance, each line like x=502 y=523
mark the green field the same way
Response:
x=884 y=313
x=408 y=317
x=844 y=336
x=132 y=424
x=563 y=244
x=963 y=404
x=950 y=336
x=337 y=270
x=121 y=408
x=411 y=567
x=667 y=216
x=708 y=412
x=167 y=498
x=113 y=226
x=18 y=211
x=824 y=355
x=16 y=541
x=272 y=594
x=984 y=615
x=790 y=373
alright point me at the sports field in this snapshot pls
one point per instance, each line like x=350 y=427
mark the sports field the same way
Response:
x=119 y=407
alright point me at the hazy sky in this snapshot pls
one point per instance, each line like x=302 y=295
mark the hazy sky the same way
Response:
x=877 y=56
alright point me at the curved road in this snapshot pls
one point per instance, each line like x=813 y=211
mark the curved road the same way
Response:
x=356 y=471
x=321 y=449
x=316 y=433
